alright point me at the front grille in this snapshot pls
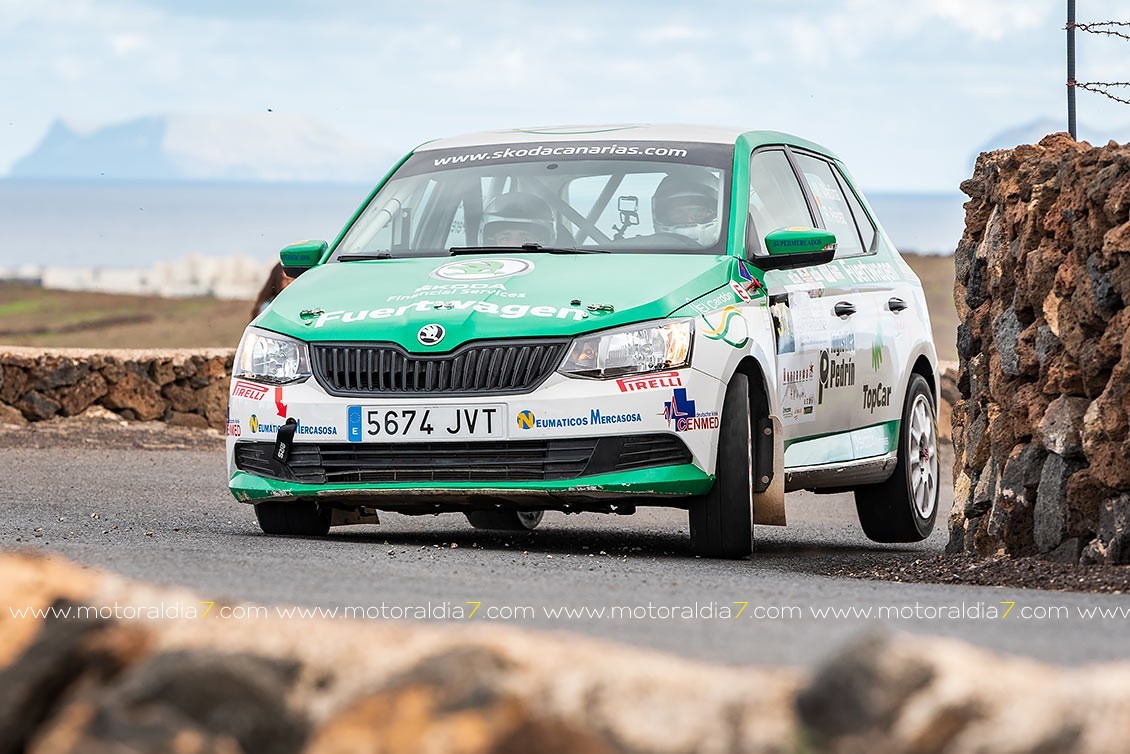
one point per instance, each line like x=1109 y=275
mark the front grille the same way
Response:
x=496 y=461
x=362 y=369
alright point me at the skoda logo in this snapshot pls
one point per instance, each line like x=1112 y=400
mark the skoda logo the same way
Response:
x=429 y=335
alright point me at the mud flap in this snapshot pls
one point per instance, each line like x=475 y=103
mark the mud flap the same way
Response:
x=769 y=506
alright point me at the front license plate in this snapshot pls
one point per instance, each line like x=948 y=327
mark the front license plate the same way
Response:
x=434 y=423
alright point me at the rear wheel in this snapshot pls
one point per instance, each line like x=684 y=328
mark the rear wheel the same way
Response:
x=505 y=520
x=300 y=517
x=904 y=508
x=722 y=520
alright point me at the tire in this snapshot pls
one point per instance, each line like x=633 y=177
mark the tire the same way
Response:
x=304 y=518
x=904 y=508
x=721 y=521
x=505 y=520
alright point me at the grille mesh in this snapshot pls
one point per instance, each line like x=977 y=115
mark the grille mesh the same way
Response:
x=361 y=369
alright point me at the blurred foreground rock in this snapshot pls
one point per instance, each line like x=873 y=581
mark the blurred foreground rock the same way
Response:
x=1042 y=428
x=206 y=683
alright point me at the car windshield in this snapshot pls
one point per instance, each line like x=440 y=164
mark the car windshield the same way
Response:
x=617 y=197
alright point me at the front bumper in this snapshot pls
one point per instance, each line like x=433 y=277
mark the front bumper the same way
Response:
x=682 y=407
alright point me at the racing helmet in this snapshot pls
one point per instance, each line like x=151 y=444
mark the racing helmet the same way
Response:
x=687 y=205
x=517 y=218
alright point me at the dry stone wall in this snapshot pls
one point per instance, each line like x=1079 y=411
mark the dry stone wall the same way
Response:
x=185 y=388
x=1040 y=430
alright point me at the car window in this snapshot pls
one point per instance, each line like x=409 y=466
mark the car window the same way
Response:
x=775 y=197
x=862 y=221
x=831 y=204
x=629 y=197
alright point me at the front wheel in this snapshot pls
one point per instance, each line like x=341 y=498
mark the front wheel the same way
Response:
x=722 y=519
x=904 y=508
x=505 y=520
x=300 y=517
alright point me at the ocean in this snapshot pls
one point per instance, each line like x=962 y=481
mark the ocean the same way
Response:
x=124 y=224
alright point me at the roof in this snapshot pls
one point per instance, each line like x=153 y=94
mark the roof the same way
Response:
x=624 y=131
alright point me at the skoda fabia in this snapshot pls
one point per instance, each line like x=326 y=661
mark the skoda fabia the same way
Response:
x=594 y=319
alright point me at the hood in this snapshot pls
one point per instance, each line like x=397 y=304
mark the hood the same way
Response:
x=488 y=296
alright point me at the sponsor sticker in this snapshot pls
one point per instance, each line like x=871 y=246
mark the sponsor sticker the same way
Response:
x=505 y=311
x=234 y=429
x=528 y=420
x=482 y=269
x=714 y=303
x=483 y=290
x=258 y=427
x=834 y=373
x=649 y=382
x=731 y=328
x=243 y=389
x=876 y=397
x=798 y=388
x=682 y=416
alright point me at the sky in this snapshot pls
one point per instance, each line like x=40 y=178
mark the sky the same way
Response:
x=905 y=91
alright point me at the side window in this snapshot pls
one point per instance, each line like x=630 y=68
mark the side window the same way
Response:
x=775 y=198
x=862 y=221
x=831 y=203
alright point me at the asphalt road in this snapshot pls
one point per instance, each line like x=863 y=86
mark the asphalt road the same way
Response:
x=166 y=516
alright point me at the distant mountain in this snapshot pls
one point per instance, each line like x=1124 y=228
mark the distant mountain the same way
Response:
x=1031 y=133
x=266 y=147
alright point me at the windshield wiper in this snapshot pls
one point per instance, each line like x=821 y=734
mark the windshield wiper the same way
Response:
x=363 y=257
x=526 y=248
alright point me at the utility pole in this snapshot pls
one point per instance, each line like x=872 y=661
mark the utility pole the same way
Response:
x=1071 y=70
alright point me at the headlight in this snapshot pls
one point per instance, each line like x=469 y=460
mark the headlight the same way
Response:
x=631 y=350
x=268 y=357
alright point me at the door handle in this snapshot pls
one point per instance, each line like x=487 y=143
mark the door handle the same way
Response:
x=845 y=309
x=897 y=304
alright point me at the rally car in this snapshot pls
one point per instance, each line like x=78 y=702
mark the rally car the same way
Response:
x=594 y=319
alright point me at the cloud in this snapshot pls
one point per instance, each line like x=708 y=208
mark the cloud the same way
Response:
x=124 y=44
x=393 y=75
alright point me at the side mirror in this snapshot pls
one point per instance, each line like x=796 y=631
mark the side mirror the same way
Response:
x=301 y=256
x=790 y=248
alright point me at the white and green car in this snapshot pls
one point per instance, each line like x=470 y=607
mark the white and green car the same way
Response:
x=594 y=319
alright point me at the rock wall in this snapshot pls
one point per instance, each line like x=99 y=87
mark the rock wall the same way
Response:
x=127 y=674
x=184 y=388
x=1042 y=449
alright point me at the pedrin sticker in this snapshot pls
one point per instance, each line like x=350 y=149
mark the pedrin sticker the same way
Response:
x=649 y=382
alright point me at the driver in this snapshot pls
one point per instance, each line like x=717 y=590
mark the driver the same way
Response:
x=687 y=206
x=517 y=218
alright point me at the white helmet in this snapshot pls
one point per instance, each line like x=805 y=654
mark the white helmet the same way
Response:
x=687 y=206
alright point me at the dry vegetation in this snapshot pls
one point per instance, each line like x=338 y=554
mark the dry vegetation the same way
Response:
x=31 y=316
